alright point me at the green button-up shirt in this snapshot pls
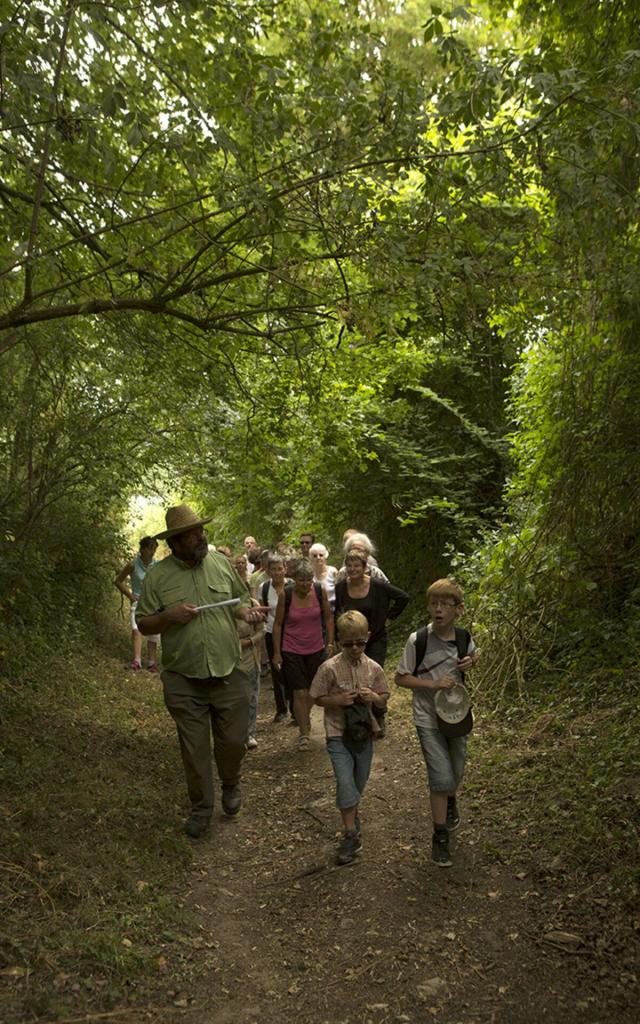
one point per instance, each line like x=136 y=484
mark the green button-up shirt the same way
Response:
x=208 y=645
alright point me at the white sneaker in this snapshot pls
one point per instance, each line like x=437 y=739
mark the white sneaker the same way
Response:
x=252 y=743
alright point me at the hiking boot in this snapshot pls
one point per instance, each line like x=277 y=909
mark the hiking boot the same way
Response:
x=231 y=799
x=440 y=848
x=453 y=817
x=350 y=846
x=195 y=827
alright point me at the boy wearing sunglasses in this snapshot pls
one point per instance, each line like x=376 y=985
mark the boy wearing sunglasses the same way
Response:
x=344 y=681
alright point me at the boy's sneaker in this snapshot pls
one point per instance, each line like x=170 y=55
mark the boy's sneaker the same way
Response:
x=453 y=817
x=152 y=667
x=304 y=743
x=350 y=847
x=252 y=743
x=440 y=848
x=280 y=716
x=134 y=666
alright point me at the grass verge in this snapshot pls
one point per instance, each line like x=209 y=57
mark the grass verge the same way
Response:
x=91 y=797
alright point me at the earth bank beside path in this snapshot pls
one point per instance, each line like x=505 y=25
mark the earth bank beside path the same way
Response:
x=281 y=933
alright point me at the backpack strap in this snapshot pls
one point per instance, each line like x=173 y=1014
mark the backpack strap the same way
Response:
x=318 y=589
x=463 y=639
x=264 y=592
x=422 y=639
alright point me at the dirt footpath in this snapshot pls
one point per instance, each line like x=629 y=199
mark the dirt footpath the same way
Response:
x=283 y=935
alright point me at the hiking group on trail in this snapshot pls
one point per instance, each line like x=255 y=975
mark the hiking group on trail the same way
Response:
x=323 y=632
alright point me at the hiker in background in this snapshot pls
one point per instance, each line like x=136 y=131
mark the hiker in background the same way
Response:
x=268 y=596
x=253 y=561
x=250 y=635
x=303 y=617
x=259 y=574
x=249 y=544
x=241 y=565
x=306 y=540
x=323 y=573
x=291 y=559
x=348 y=686
x=436 y=658
x=137 y=569
x=360 y=543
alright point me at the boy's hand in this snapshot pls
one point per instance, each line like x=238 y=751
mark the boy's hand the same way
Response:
x=346 y=697
x=464 y=664
x=444 y=683
x=366 y=694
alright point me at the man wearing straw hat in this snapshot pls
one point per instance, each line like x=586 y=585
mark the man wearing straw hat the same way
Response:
x=193 y=599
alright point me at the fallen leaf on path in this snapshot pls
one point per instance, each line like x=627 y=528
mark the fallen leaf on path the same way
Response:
x=565 y=939
x=14 y=972
x=430 y=988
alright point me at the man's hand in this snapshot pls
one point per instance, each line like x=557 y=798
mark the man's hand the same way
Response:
x=181 y=613
x=253 y=614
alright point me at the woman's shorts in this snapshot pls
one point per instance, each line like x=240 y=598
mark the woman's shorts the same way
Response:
x=154 y=638
x=299 y=669
x=444 y=757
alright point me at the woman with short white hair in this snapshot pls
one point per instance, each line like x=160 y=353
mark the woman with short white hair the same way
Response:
x=323 y=573
x=359 y=544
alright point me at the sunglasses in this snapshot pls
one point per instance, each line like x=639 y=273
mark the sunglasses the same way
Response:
x=353 y=643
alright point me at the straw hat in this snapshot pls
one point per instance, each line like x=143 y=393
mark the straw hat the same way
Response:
x=178 y=519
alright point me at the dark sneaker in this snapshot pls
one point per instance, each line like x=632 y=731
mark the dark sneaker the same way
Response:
x=453 y=817
x=350 y=847
x=440 y=848
x=195 y=827
x=231 y=800
x=280 y=716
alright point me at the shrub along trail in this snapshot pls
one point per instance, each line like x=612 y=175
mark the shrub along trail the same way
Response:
x=255 y=923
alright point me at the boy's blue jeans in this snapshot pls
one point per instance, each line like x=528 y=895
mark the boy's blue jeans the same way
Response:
x=444 y=757
x=351 y=770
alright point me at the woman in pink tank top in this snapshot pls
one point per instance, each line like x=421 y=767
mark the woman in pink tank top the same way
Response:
x=302 y=617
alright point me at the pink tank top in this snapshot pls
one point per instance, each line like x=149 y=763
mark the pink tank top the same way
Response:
x=303 y=628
